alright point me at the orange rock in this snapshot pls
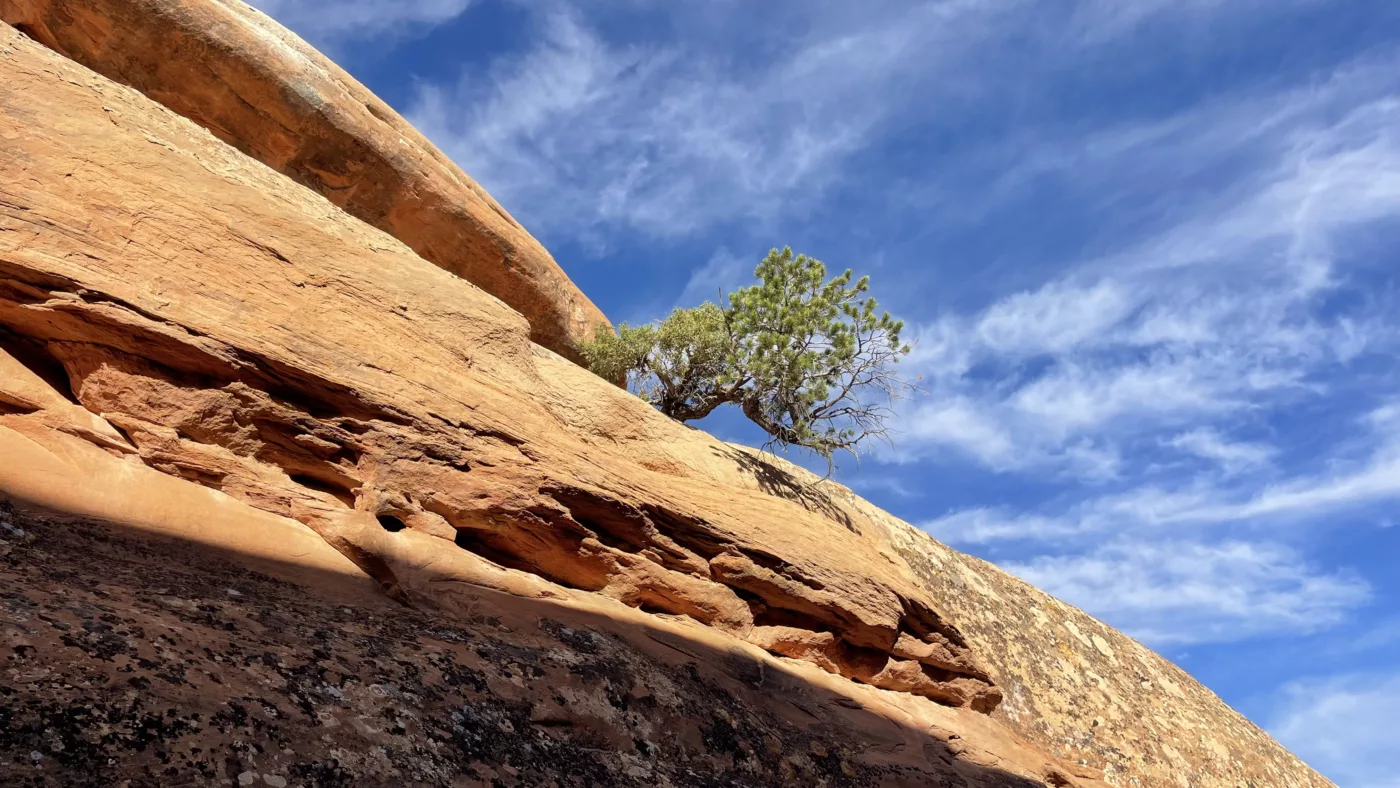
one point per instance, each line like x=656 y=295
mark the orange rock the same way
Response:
x=258 y=87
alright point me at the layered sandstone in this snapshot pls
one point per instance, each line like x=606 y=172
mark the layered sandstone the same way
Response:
x=258 y=87
x=196 y=345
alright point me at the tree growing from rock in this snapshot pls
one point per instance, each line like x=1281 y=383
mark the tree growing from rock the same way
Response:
x=810 y=360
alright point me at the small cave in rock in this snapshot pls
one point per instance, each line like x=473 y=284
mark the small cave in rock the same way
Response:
x=378 y=113
x=37 y=358
x=688 y=532
x=8 y=408
x=28 y=31
x=765 y=615
x=928 y=626
x=615 y=524
x=471 y=541
x=391 y=523
x=778 y=617
x=649 y=606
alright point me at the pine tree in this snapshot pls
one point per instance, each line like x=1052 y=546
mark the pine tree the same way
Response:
x=809 y=360
x=820 y=359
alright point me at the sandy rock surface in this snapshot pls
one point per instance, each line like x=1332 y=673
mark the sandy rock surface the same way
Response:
x=255 y=85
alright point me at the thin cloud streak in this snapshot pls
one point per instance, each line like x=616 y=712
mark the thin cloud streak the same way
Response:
x=1175 y=593
x=1119 y=349
x=1232 y=457
x=1205 y=502
x=334 y=24
x=1344 y=726
x=591 y=138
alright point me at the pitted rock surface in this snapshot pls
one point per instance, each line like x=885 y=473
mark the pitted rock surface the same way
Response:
x=124 y=658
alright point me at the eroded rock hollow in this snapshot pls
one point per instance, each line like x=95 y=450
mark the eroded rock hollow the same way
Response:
x=245 y=309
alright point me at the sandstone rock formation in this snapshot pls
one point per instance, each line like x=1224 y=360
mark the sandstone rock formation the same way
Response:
x=297 y=360
x=231 y=69
x=195 y=345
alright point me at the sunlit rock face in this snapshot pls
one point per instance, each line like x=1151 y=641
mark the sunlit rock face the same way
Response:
x=267 y=93
x=254 y=403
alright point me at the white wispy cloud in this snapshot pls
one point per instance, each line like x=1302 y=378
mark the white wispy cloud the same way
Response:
x=1216 y=316
x=723 y=273
x=1383 y=637
x=1201 y=502
x=1344 y=726
x=1054 y=319
x=333 y=24
x=1101 y=19
x=588 y=135
x=584 y=136
x=1201 y=561
x=1179 y=592
x=1232 y=456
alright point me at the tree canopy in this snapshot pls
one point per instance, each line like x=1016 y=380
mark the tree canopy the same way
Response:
x=810 y=360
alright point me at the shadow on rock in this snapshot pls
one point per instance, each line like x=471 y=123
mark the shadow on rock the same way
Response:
x=779 y=482
x=135 y=658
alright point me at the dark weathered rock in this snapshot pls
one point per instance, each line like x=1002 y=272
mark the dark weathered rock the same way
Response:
x=128 y=658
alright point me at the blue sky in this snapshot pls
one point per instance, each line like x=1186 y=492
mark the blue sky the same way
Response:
x=1147 y=249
